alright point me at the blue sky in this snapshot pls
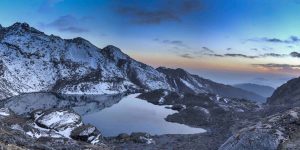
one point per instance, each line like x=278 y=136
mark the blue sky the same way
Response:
x=230 y=41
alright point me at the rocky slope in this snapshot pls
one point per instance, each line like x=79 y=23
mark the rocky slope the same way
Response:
x=287 y=94
x=233 y=123
x=279 y=131
x=265 y=91
x=278 y=123
x=220 y=116
x=184 y=82
x=202 y=110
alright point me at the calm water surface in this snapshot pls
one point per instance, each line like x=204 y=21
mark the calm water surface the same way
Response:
x=135 y=115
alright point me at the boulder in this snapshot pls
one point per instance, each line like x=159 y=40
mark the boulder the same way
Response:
x=178 y=107
x=86 y=133
x=140 y=137
x=123 y=137
x=57 y=119
x=4 y=112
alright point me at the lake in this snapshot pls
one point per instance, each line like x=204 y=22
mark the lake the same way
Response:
x=135 y=115
x=111 y=114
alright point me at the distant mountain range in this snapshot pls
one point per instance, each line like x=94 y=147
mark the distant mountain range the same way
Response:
x=262 y=90
x=183 y=82
x=32 y=61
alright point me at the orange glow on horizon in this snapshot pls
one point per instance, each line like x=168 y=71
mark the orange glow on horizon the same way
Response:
x=208 y=63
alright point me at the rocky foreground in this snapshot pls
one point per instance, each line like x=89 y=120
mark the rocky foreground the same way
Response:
x=51 y=129
x=279 y=131
x=230 y=123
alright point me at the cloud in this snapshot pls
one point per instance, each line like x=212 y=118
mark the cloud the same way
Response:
x=186 y=56
x=283 y=67
x=248 y=56
x=67 y=23
x=233 y=55
x=177 y=44
x=290 y=40
x=216 y=55
x=267 y=49
x=240 y=55
x=206 y=50
x=295 y=54
x=161 y=11
x=272 y=55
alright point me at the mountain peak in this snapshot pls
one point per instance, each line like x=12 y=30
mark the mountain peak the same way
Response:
x=114 y=52
x=23 y=27
x=112 y=48
x=80 y=40
x=181 y=70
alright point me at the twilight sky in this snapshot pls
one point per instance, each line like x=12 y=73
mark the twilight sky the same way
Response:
x=229 y=41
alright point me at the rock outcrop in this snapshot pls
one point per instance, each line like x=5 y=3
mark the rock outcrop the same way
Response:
x=279 y=131
x=49 y=129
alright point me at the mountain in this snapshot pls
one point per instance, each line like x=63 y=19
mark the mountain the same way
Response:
x=287 y=94
x=32 y=61
x=265 y=91
x=184 y=82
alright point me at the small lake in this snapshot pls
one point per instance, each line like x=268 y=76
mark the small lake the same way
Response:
x=111 y=114
x=135 y=115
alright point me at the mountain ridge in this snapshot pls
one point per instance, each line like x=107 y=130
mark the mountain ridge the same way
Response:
x=286 y=94
x=50 y=63
x=184 y=82
x=263 y=90
x=40 y=62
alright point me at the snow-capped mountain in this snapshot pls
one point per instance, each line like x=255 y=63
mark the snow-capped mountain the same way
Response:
x=32 y=61
x=182 y=81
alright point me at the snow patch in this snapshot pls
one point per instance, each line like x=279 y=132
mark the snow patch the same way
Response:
x=293 y=114
x=4 y=112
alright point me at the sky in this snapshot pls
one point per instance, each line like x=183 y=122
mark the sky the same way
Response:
x=228 y=41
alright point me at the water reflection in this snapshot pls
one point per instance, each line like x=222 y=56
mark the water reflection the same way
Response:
x=135 y=115
x=112 y=114
x=84 y=104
